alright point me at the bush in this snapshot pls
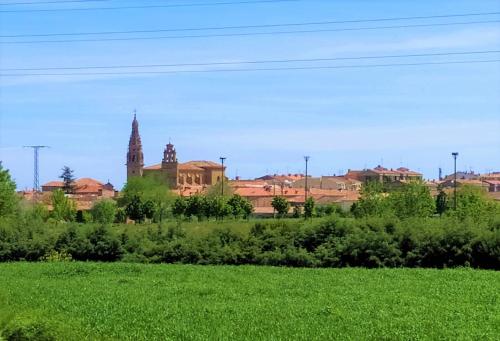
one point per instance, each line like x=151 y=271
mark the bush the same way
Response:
x=8 y=197
x=64 y=209
x=281 y=205
x=28 y=329
x=103 y=245
x=55 y=256
x=334 y=241
x=104 y=211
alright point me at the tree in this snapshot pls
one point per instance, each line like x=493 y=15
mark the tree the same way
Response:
x=219 y=207
x=247 y=208
x=372 y=202
x=195 y=206
x=120 y=215
x=104 y=211
x=149 y=209
x=330 y=209
x=8 y=198
x=179 y=207
x=309 y=207
x=413 y=200
x=134 y=209
x=63 y=208
x=149 y=188
x=473 y=202
x=281 y=205
x=38 y=211
x=216 y=190
x=68 y=180
x=441 y=202
x=240 y=207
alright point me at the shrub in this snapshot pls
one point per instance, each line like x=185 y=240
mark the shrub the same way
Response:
x=28 y=329
x=103 y=245
x=55 y=256
x=64 y=209
x=104 y=211
x=8 y=198
x=281 y=205
x=309 y=207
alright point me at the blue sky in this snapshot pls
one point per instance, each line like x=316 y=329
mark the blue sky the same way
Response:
x=263 y=122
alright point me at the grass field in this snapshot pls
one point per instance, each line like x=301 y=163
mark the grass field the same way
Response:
x=159 y=302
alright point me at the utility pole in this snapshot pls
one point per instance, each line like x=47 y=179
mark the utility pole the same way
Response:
x=36 y=179
x=306 y=158
x=222 y=159
x=455 y=155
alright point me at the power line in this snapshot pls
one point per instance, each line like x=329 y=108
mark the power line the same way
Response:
x=53 y=2
x=330 y=22
x=193 y=4
x=269 y=61
x=49 y=2
x=253 y=69
x=247 y=33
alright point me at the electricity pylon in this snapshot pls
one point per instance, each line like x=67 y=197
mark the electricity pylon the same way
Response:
x=36 y=179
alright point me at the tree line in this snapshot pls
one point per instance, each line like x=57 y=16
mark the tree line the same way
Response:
x=401 y=227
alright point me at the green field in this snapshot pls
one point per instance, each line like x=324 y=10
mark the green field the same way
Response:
x=159 y=302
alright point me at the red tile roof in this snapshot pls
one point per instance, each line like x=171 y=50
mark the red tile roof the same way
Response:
x=282 y=177
x=191 y=165
x=401 y=170
x=248 y=183
x=204 y=164
x=153 y=167
x=81 y=186
x=492 y=182
x=53 y=184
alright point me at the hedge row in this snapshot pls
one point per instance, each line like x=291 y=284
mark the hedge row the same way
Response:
x=332 y=242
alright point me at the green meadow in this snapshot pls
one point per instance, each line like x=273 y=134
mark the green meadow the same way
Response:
x=120 y=301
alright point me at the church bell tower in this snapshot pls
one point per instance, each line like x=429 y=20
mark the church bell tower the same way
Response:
x=135 y=157
x=170 y=166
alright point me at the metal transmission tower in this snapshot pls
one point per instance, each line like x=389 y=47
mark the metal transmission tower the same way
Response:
x=36 y=179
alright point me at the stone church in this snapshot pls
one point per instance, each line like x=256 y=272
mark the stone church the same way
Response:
x=175 y=174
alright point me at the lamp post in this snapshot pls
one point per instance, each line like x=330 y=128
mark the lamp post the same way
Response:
x=455 y=155
x=222 y=159
x=306 y=158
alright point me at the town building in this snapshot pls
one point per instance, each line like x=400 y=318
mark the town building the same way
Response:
x=175 y=174
x=83 y=187
x=340 y=183
x=84 y=192
x=493 y=185
x=262 y=192
x=463 y=176
x=384 y=175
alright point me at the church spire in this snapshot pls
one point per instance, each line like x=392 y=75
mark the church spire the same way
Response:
x=135 y=157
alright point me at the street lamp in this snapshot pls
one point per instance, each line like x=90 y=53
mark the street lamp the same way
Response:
x=455 y=155
x=222 y=159
x=306 y=158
